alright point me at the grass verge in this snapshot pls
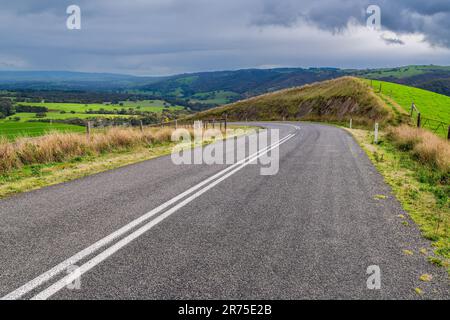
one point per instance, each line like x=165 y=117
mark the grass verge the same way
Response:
x=421 y=188
x=32 y=176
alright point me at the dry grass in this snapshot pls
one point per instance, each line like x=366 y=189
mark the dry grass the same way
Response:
x=334 y=100
x=59 y=147
x=428 y=148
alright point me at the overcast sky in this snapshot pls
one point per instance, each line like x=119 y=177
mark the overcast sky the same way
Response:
x=160 y=37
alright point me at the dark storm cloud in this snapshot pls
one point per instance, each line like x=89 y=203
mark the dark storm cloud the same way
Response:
x=432 y=17
x=170 y=36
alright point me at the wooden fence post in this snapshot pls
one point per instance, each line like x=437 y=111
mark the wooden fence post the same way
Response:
x=351 y=123
x=419 y=120
x=141 y=125
x=448 y=134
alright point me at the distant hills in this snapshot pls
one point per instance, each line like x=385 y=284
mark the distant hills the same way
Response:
x=207 y=89
x=244 y=82
x=67 y=80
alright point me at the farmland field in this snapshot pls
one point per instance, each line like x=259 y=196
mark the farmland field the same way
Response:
x=431 y=105
x=12 y=129
x=144 y=105
x=25 y=116
x=19 y=125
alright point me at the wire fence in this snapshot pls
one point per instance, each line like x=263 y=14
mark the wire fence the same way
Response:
x=220 y=124
x=436 y=126
x=417 y=119
x=92 y=125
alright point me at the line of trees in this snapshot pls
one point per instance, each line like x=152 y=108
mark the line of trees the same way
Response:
x=31 y=109
x=6 y=108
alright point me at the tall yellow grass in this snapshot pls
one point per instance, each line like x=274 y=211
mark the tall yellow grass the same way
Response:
x=57 y=146
x=427 y=147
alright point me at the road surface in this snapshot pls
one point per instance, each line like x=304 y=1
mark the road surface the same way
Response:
x=155 y=230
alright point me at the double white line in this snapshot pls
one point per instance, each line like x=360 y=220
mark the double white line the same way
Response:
x=63 y=266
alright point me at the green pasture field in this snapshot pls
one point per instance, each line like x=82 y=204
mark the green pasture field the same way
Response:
x=144 y=105
x=431 y=105
x=12 y=129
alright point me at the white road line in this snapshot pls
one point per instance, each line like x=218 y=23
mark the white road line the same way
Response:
x=62 y=283
x=46 y=276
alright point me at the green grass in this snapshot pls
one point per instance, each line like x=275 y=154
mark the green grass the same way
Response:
x=431 y=105
x=150 y=105
x=24 y=117
x=62 y=116
x=11 y=128
x=419 y=190
x=14 y=129
x=144 y=105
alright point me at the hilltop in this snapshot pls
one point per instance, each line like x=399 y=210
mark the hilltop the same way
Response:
x=332 y=100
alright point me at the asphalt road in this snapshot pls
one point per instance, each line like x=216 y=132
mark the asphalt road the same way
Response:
x=308 y=232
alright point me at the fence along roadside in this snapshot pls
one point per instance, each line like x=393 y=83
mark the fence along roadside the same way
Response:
x=432 y=124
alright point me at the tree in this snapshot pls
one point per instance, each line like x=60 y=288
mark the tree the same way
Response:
x=6 y=107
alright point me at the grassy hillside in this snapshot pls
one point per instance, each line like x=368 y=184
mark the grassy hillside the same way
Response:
x=214 y=98
x=214 y=88
x=431 y=105
x=332 y=100
x=432 y=78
